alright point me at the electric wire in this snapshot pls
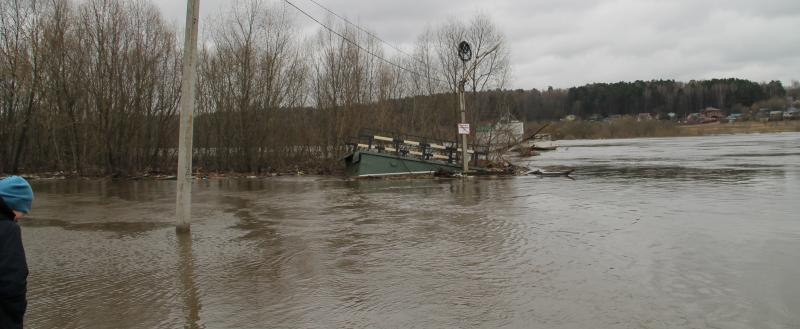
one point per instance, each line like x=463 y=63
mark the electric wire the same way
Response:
x=359 y=46
x=367 y=32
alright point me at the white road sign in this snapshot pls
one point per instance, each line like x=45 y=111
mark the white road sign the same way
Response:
x=463 y=128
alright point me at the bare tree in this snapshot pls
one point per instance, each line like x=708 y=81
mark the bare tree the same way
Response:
x=251 y=68
x=437 y=54
x=20 y=35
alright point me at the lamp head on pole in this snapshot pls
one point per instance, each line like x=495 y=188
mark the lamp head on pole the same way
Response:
x=464 y=51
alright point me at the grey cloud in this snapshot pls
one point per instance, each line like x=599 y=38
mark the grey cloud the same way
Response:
x=571 y=42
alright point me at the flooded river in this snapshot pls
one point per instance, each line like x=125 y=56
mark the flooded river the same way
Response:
x=651 y=233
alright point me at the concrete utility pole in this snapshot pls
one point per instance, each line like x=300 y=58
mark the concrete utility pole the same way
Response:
x=188 y=86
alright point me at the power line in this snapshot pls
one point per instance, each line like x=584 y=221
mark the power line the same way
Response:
x=367 y=32
x=356 y=44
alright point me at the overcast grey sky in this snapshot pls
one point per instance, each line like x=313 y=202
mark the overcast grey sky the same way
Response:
x=563 y=43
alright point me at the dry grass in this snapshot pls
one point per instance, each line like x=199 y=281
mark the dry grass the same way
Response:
x=630 y=128
x=750 y=127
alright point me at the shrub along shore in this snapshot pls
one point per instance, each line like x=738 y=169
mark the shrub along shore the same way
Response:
x=619 y=129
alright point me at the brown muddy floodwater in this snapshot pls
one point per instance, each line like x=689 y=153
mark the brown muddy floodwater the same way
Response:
x=651 y=233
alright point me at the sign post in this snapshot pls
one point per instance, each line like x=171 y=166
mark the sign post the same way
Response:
x=465 y=132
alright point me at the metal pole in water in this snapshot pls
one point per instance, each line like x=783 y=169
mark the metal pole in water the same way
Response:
x=464 y=159
x=465 y=54
x=188 y=84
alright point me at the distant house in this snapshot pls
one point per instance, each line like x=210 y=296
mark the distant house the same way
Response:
x=710 y=114
x=570 y=117
x=734 y=117
x=791 y=114
x=596 y=117
x=763 y=114
x=644 y=117
x=507 y=130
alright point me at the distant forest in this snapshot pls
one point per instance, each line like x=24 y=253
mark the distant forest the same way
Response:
x=631 y=98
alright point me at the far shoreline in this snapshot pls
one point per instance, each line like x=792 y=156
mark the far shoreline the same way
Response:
x=561 y=131
x=626 y=129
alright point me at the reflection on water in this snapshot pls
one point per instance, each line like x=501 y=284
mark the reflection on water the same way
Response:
x=652 y=233
x=190 y=295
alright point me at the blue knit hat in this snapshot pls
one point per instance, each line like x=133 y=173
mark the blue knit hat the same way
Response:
x=17 y=193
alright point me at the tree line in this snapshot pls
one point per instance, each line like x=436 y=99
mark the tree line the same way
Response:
x=655 y=97
x=601 y=100
x=92 y=87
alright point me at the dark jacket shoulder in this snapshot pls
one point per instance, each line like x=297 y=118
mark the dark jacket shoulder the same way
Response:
x=13 y=265
x=13 y=271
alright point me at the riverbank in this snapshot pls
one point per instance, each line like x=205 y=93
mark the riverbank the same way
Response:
x=629 y=128
x=171 y=176
x=620 y=129
x=749 y=127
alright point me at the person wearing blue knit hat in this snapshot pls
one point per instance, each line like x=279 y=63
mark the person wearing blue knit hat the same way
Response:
x=16 y=198
x=17 y=194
